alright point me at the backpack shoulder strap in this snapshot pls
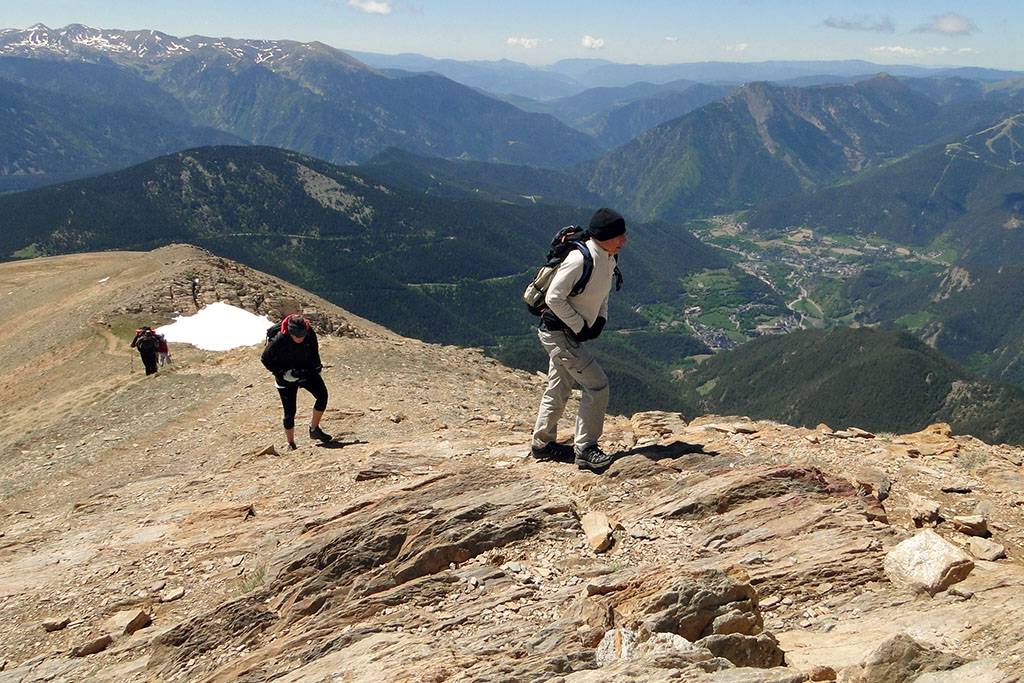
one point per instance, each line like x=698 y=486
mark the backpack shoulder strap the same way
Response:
x=588 y=268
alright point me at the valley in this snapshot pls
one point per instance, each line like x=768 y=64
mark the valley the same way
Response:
x=806 y=268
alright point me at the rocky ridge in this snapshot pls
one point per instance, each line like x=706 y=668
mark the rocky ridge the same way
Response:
x=152 y=529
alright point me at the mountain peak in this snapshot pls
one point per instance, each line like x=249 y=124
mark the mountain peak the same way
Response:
x=744 y=544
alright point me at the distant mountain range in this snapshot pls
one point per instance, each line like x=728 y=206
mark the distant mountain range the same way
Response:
x=303 y=96
x=615 y=115
x=55 y=128
x=572 y=76
x=86 y=92
x=763 y=142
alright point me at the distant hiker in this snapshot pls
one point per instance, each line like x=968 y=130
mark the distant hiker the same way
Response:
x=162 y=350
x=293 y=356
x=146 y=342
x=569 y=321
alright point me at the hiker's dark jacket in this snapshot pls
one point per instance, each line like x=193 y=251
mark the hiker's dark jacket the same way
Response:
x=146 y=342
x=283 y=354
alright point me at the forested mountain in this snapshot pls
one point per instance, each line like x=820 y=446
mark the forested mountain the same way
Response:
x=763 y=142
x=884 y=381
x=966 y=193
x=477 y=180
x=55 y=128
x=303 y=96
x=616 y=115
x=443 y=270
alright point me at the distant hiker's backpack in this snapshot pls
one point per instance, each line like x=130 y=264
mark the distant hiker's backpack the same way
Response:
x=568 y=238
x=146 y=339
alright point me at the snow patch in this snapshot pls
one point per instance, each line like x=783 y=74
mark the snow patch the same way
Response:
x=217 y=327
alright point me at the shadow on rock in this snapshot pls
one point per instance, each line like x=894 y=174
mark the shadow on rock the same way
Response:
x=676 y=449
x=339 y=444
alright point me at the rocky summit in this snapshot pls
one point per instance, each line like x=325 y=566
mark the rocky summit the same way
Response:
x=157 y=529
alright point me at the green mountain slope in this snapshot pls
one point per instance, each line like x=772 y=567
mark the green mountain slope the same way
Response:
x=317 y=102
x=759 y=143
x=56 y=127
x=966 y=194
x=960 y=204
x=511 y=183
x=442 y=270
x=884 y=381
x=623 y=121
x=764 y=142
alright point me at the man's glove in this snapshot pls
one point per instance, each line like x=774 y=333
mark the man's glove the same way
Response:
x=291 y=375
x=591 y=331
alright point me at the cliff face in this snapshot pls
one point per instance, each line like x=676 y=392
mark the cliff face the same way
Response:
x=155 y=529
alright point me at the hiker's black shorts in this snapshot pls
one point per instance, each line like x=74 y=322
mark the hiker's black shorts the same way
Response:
x=314 y=385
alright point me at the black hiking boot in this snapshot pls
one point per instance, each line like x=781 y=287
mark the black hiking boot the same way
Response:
x=292 y=446
x=319 y=434
x=553 y=450
x=593 y=458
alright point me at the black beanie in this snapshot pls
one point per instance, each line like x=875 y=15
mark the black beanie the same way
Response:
x=606 y=224
x=297 y=326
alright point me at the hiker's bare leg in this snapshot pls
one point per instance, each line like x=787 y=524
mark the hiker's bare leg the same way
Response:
x=315 y=421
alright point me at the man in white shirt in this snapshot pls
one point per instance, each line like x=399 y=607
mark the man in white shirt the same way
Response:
x=569 y=321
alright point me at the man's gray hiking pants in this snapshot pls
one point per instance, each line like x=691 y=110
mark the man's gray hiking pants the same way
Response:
x=569 y=363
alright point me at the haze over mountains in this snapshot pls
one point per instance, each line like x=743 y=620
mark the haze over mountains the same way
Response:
x=834 y=194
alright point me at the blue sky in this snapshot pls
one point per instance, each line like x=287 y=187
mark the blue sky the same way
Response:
x=962 y=33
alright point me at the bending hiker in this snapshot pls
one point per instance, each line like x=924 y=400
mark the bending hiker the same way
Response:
x=146 y=342
x=293 y=356
x=163 y=352
x=569 y=321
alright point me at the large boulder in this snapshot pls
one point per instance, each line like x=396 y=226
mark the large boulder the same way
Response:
x=927 y=563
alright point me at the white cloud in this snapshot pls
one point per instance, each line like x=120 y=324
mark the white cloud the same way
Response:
x=523 y=42
x=371 y=6
x=883 y=25
x=951 y=24
x=900 y=51
x=739 y=47
x=896 y=50
x=671 y=39
x=593 y=43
